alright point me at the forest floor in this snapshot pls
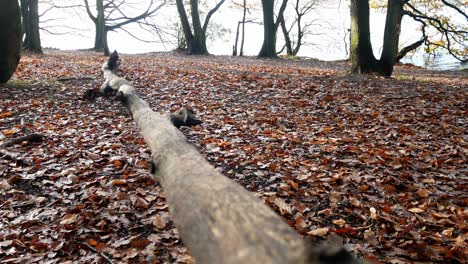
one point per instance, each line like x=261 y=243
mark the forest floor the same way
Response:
x=377 y=163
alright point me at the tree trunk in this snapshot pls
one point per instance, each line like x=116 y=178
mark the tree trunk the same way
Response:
x=10 y=38
x=100 y=39
x=241 y=53
x=391 y=36
x=30 y=15
x=198 y=47
x=25 y=20
x=234 y=48
x=218 y=220
x=287 y=40
x=269 y=30
x=34 y=44
x=362 y=56
x=185 y=24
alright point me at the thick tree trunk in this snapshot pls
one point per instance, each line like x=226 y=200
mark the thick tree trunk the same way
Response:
x=100 y=39
x=25 y=20
x=269 y=30
x=218 y=220
x=30 y=15
x=362 y=56
x=10 y=38
x=198 y=45
x=391 y=36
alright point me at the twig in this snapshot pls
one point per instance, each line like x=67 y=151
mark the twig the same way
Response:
x=29 y=138
x=94 y=250
x=74 y=78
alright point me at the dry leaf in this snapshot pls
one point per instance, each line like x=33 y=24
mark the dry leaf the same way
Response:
x=339 y=222
x=416 y=210
x=319 y=231
x=159 y=222
x=283 y=206
x=69 y=219
x=423 y=193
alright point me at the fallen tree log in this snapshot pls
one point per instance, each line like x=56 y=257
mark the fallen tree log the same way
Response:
x=217 y=219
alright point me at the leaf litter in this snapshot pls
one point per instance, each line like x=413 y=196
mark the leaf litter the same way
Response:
x=381 y=163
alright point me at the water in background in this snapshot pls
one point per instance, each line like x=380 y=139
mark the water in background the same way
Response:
x=439 y=62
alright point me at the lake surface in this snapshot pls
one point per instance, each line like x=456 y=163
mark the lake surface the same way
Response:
x=328 y=39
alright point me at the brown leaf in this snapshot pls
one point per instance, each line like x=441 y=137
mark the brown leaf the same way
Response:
x=140 y=243
x=416 y=210
x=423 y=193
x=69 y=219
x=159 y=222
x=140 y=203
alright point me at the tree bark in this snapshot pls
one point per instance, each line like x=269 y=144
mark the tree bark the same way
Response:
x=362 y=56
x=198 y=45
x=185 y=23
x=234 y=48
x=10 y=38
x=218 y=220
x=402 y=53
x=287 y=39
x=30 y=14
x=391 y=36
x=241 y=52
x=100 y=39
x=269 y=30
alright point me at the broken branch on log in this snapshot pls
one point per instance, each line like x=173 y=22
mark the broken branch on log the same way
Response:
x=218 y=220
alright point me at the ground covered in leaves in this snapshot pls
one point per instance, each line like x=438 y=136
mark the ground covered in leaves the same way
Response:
x=379 y=163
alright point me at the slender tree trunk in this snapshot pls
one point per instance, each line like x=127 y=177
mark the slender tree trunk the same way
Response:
x=234 y=48
x=185 y=24
x=10 y=38
x=241 y=53
x=269 y=30
x=300 y=33
x=362 y=56
x=287 y=39
x=391 y=36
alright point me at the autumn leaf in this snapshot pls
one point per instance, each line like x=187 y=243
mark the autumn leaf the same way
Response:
x=319 y=232
x=416 y=210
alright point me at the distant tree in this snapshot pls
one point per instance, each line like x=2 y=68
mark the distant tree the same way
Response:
x=111 y=15
x=30 y=26
x=293 y=41
x=10 y=38
x=362 y=56
x=450 y=34
x=245 y=9
x=195 y=40
x=270 y=27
